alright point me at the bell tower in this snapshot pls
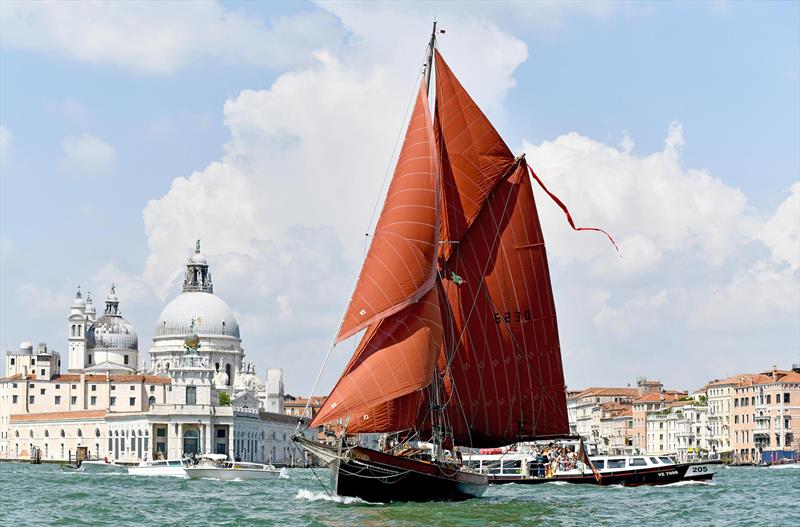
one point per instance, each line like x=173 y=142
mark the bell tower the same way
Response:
x=76 y=333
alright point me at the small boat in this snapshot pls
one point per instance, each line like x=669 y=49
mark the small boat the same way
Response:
x=162 y=467
x=630 y=471
x=102 y=465
x=216 y=466
x=72 y=467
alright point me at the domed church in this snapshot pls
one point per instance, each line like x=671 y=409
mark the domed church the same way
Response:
x=212 y=320
x=198 y=395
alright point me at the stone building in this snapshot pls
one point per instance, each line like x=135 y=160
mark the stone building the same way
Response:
x=198 y=396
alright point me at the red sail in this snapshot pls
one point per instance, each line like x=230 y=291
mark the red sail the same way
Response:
x=506 y=381
x=395 y=358
x=395 y=296
x=473 y=155
x=400 y=265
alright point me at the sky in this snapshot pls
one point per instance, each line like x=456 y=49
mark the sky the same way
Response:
x=129 y=130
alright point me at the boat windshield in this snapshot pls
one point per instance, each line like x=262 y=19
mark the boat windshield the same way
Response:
x=175 y=463
x=654 y=460
x=637 y=462
x=665 y=460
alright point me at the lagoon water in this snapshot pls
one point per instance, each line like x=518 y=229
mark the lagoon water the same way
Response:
x=43 y=495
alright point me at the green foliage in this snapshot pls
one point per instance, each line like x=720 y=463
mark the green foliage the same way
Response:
x=224 y=399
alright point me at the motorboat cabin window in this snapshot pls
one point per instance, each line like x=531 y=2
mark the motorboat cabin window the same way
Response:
x=654 y=460
x=616 y=463
x=175 y=464
x=599 y=464
x=492 y=466
x=512 y=467
x=637 y=462
x=666 y=460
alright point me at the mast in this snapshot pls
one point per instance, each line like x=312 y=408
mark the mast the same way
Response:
x=429 y=61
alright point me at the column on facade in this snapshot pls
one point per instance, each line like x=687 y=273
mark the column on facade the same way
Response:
x=208 y=435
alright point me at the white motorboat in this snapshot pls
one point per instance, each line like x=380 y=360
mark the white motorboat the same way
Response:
x=216 y=466
x=102 y=465
x=162 y=467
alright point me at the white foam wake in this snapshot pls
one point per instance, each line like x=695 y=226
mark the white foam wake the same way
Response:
x=284 y=473
x=305 y=494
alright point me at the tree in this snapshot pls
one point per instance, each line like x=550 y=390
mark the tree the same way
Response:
x=224 y=399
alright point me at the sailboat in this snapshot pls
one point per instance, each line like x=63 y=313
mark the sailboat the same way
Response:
x=460 y=346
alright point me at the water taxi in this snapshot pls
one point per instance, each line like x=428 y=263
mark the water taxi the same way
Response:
x=102 y=465
x=216 y=466
x=531 y=467
x=162 y=467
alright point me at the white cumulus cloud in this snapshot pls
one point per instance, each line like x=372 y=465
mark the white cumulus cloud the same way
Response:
x=159 y=37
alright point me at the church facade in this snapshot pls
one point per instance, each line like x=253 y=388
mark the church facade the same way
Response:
x=199 y=395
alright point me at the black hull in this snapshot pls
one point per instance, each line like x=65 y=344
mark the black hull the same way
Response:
x=629 y=478
x=378 y=477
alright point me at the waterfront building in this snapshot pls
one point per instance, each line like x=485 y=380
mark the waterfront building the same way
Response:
x=766 y=415
x=587 y=410
x=720 y=414
x=198 y=396
x=616 y=423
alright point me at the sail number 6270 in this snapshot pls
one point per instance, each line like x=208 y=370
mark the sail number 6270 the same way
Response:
x=513 y=316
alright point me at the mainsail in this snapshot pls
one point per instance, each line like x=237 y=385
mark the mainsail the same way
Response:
x=455 y=287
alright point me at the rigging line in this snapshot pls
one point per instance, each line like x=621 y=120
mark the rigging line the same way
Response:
x=316 y=381
x=391 y=157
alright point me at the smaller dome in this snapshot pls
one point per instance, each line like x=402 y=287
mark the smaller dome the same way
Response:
x=112 y=332
x=199 y=259
x=78 y=301
x=26 y=346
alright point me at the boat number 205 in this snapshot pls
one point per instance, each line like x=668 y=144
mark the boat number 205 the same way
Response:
x=513 y=316
x=696 y=470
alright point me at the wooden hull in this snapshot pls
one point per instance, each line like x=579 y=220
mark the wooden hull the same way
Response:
x=662 y=475
x=378 y=477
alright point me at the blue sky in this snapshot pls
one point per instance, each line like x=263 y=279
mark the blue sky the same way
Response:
x=726 y=72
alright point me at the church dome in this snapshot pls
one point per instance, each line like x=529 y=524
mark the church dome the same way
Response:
x=112 y=332
x=211 y=316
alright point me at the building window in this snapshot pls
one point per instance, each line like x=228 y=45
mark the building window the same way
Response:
x=74 y=386
x=152 y=388
x=786 y=397
x=12 y=361
x=41 y=391
x=30 y=399
x=33 y=361
x=133 y=401
x=161 y=432
x=94 y=387
x=113 y=388
x=769 y=397
x=14 y=399
x=126 y=359
x=58 y=399
x=113 y=401
x=42 y=373
x=191 y=395
x=133 y=387
x=221 y=433
x=93 y=400
x=58 y=386
x=73 y=400
x=90 y=358
x=151 y=401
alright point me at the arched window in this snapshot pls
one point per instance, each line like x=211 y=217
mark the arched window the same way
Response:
x=151 y=401
x=80 y=433
x=79 y=330
x=31 y=432
x=47 y=433
x=16 y=433
x=97 y=432
x=228 y=373
x=72 y=330
x=167 y=367
x=61 y=433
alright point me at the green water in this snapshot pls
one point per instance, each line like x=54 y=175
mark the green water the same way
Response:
x=43 y=495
